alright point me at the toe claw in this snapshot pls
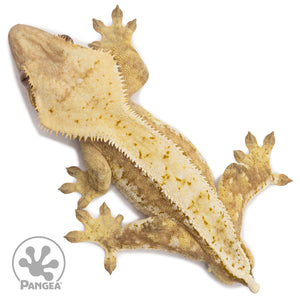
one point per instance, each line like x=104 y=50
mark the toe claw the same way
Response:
x=281 y=179
x=74 y=171
x=239 y=155
x=117 y=16
x=251 y=142
x=76 y=236
x=110 y=261
x=98 y=25
x=268 y=143
x=67 y=188
x=119 y=219
x=270 y=139
x=131 y=25
x=104 y=209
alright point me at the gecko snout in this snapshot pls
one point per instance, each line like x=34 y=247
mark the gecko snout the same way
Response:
x=34 y=47
x=36 y=53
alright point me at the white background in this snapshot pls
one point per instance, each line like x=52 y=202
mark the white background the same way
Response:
x=217 y=69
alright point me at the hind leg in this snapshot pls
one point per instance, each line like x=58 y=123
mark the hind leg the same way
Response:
x=243 y=180
x=151 y=233
x=251 y=174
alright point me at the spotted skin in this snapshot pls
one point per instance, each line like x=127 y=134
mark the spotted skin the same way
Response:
x=85 y=93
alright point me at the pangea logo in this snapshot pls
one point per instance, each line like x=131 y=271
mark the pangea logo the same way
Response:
x=39 y=263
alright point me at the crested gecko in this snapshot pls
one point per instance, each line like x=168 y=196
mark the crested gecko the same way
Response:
x=85 y=93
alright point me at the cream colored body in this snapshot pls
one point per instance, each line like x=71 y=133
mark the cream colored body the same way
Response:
x=86 y=93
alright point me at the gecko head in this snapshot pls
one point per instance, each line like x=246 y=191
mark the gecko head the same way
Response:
x=68 y=84
x=35 y=51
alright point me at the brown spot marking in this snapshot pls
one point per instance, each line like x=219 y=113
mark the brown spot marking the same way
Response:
x=189 y=207
x=214 y=240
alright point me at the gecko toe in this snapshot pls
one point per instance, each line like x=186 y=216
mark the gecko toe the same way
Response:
x=82 y=186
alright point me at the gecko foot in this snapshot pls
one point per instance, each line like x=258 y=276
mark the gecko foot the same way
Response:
x=259 y=157
x=82 y=186
x=103 y=230
x=251 y=174
x=117 y=40
x=116 y=33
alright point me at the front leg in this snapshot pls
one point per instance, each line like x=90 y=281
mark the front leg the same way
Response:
x=151 y=233
x=117 y=39
x=93 y=182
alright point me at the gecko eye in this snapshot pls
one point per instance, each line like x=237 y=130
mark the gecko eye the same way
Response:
x=66 y=38
x=25 y=79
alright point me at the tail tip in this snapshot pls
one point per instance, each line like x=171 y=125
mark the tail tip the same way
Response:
x=253 y=286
